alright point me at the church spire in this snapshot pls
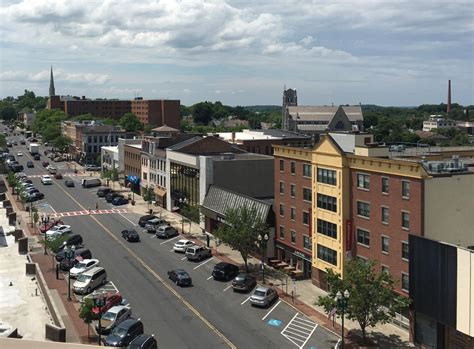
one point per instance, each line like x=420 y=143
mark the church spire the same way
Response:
x=52 y=92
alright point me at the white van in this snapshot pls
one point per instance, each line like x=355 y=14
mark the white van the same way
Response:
x=88 y=281
x=91 y=182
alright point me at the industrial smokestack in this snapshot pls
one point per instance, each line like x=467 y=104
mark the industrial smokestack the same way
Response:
x=449 y=97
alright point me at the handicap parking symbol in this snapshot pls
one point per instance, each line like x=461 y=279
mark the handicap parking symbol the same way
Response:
x=274 y=322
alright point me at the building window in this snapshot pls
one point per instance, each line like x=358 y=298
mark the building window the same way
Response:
x=327 y=202
x=385 y=215
x=293 y=237
x=282 y=232
x=307 y=194
x=144 y=176
x=363 y=237
x=307 y=170
x=363 y=181
x=306 y=218
x=385 y=188
x=282 y=165
x=405 y=282
x=282 y=188
x=385 y=270
x=405 y=251
x=405 y=220
x=327 y=228
x=363 y=209
x=326 y=254
x=293 y=167
x=326 y=176
x=293 y=190
x=293 y=213
x=385 y=244
x=282 y=210
x=306 y=242
x=405 y=189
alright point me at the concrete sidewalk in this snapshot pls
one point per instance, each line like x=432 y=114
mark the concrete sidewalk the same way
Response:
x=301 y=294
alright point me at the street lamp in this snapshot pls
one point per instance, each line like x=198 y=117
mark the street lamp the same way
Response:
x=45 y=220
x=99 y=302
x=342 y=300
x=69 y=254
x=261 y=242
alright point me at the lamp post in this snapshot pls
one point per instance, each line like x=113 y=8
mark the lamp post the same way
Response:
x=45 y=220
x=342 y=300
x=261 y=242
x=99 y=302
x=69 y=254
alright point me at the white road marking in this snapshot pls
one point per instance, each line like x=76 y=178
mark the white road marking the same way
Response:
x=337 y=344
x=299 y=330
x=225 y=289
x=245 y=301
x=184 y=258
x=176 y=237
x=307 y=339
x=272 y=309
x=172 y=250
x=210 y=277
x=200 y=265
x=135 y=225
x=153 y=237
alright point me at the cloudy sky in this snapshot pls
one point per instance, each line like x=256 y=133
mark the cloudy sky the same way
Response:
x=241 y=52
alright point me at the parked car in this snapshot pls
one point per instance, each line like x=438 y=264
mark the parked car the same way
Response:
x=83 y=266
x=198 y=253
x=113 y=299
x=49 y=225
x=153 y=224
x=17 y=168
x=244 y=282
x=58 y=176
x=130 y=235
x=19 y=153
x=37 y=157
x=263 y=296
x=112 y=318
x=102 y=192
x=119 y=200
x=89 y=280
x=45 y=179
x=69 y=183
x=91 y=182
x=144 y=219
x=144 y=341
x=73 y=240
x=182 y=245
x=60 y=229
x=30 y=164
x=225 y=271
x=93 y=168
x=84 y=253
x=35 y=196
x=165 y=232
x=124 y=333
x=52 y=169
x=180 y=277
x=112 y=195
x=45 y=163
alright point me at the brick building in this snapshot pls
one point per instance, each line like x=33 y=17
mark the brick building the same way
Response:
x=132 y=166
x=157 y=112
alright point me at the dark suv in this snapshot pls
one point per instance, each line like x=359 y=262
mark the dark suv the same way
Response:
x=103 y=192
x=144 y=341
x=83 y=252
x=124 y=333
x=225 y=271
x=111 y=196
x=144 y=219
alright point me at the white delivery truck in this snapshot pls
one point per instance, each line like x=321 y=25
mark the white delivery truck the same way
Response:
x=34 y=148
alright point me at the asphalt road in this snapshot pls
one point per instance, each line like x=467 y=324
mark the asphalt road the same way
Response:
x=207 y=315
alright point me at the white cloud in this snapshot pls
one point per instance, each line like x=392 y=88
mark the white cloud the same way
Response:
x=59 y=75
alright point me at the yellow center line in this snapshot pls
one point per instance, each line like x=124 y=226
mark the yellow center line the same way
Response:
x=158 y=277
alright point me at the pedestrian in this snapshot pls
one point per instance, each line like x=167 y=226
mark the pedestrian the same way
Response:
x=57 y=271
x=96 y=206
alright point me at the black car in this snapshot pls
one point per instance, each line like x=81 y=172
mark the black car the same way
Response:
x=17 y=168
x=124 y=333
x=37 y=157
x=69 y=183
x=73 y=240
x=110 y=196
x=119 y=200
x=225 y=271
x=143 y=341
x=30 y=164
x=34 y=197
x=144 y=219
x=244 y=282
x=180 y=277
x=103 y=192
x=130 y=235
x=83 y=252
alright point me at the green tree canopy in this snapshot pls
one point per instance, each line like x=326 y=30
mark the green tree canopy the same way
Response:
x=62 y=143
x=130 y=122
x=47 y=123
x=372 y=299
x=7 y=112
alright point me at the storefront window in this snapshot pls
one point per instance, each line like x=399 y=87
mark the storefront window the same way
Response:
x=184 y=184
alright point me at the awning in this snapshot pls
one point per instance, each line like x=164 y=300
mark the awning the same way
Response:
x=159 y=191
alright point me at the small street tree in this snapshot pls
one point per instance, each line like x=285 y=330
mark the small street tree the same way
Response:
x=372 y=299
x=240 y=230
x=148 y=196
x=86 y=313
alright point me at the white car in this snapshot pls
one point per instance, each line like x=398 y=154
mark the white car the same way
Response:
x=19 y=153
x=182 y=245
x=57 y=231
x=83 y=266
x=52 y=169
x=45 y=179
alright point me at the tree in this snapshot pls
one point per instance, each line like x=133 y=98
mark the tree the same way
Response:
x=86 y=313
x=130 y=122
x=148 y=196
x=372 y=299
x=8 y=113
x=240 y=230
x=202 y=113
x=62 y=143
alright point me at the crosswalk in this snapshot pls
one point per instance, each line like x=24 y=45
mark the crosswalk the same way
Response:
x=64 y=175
x=87 y=212
x=299 y=330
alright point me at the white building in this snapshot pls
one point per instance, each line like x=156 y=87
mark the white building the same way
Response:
x=109 y=157
x=438 y=121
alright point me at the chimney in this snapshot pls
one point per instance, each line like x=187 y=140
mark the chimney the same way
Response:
x=449 y=97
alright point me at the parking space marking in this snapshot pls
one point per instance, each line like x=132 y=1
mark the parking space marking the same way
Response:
x=172 y=250
x=200 y=265
x=245 y=301
x=272 y=309
x=299 y=330
x=210 y=277
x=184 y=258
x=164 y=242
x=153 y=237
x=225 y=289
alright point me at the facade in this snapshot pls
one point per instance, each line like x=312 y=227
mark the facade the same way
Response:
x=132 y=166
x=157 y=112
x=261 y=141
x=437 y=122
x=27 y=118
x=293 y=209
x=109 y=158
x=121 y=150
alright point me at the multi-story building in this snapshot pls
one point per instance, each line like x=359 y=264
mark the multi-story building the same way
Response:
x=132 y=166
x=27 y=118
x=437 y=122
x=157 y=112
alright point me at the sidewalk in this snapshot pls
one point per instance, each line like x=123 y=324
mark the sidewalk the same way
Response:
x=387 y=335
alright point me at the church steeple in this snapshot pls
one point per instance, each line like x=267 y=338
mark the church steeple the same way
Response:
x=52 y=92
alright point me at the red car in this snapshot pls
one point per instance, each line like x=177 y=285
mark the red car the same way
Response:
x=58 y=176
x=111 y=299
x=45 y=164
x=45 y=227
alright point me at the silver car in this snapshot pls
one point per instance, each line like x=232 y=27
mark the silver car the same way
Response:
x=263 y=296
x=112 y=318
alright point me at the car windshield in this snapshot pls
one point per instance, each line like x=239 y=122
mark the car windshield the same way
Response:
x=119 y=331
x=83 y=278
x=109 y=316
x=81 y=265
x=259 y=293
